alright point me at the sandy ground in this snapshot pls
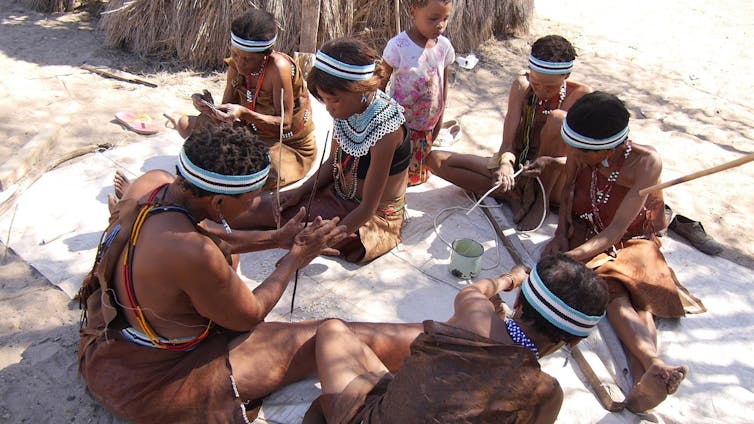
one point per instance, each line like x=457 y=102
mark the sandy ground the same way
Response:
x=680 y=66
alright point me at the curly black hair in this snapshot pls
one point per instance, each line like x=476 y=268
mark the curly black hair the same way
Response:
x=553 y=48
x=598 y=115
x=573 y=283
x=225 y=149
x=257 y=25
x=353 y=52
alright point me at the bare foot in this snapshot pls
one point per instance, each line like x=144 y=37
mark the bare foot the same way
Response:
x=654 y=386
x=111 y=202
x=120 y=184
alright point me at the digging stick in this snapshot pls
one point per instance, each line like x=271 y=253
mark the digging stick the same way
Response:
x=728 y=165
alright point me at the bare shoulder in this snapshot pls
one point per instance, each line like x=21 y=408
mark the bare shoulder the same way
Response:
x=579 y=87
x=648 y=155
x=576 y=90
x=519 y=85
x=147 y=182
x=185 y=255
x=647 y=163
x=281 y=63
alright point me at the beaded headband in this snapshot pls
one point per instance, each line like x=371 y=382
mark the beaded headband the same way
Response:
x=251 y=46
x=550 y=68
x=219 y=183
x=574 y=139
x=343 y=70
x=554 y=310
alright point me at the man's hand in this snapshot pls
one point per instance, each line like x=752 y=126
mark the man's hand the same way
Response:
x=285 y=235
x=317 y=238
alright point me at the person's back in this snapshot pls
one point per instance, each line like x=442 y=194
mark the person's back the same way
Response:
x=479 y=367
x=497 y=383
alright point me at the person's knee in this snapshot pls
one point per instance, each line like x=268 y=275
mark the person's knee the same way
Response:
x=436 y=159
x=331 y=326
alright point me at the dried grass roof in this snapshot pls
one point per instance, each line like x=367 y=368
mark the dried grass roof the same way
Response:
x=197 y=31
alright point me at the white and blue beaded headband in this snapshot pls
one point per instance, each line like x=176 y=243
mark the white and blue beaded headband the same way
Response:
x=219 y=183
x=554 y=310
x=550 y=68
x=343 y=70
x=574 y=139
x=251 y=46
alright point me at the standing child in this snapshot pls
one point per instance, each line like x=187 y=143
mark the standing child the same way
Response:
x=417 y=62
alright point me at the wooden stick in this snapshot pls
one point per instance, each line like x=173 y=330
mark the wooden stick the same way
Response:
x=119 y=75
x=517 y=258
x=308 y=211
x=728 y=165
x=280 y=155
x=397 y=16
x=599 y=389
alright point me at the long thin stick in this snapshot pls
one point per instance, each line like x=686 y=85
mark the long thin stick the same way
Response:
x=517 y=258
x=600 y=391
x=280 y=153
x=119 y=75
x=397 y=16
x=308 y=210
x=732 y=164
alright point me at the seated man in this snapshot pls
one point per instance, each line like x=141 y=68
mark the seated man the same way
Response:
x=477 y=367
x=170 y=332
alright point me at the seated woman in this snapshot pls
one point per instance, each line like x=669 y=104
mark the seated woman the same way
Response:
x=170 y=332
x=256 y=74
x=477 y=368
x=364 y=180
x=605 y=221
x=537 y=105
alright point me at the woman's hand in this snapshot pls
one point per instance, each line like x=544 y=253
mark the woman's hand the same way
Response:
x=229 y=112
x=519 y=273
x=503 y=176
x=534 y=169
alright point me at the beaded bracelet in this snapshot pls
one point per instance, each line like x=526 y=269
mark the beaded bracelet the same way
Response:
x=498 y=159
x=513 y=280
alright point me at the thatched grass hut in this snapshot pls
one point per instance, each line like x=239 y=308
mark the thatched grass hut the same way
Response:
x=197 y=31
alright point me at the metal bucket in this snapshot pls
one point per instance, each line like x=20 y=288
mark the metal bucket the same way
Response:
x=465 y=258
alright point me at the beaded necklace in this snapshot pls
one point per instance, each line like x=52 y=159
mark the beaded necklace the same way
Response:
x=600 y=196
x=149 y=208
x=561 y=97
x=519 y=337
x=251 y=98
x=357 y=134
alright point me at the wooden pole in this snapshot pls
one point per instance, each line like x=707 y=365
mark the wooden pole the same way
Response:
x=397 y=16
x=309 y=26
x=728 y=165
x=600 y=391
